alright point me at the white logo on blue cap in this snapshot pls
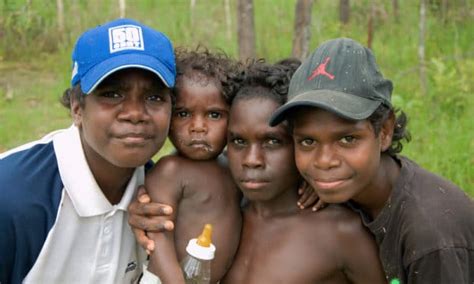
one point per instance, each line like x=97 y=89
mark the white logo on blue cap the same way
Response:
x=74 y=70
x=126 y=37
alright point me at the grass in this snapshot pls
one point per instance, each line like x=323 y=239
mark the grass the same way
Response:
x=35 y=63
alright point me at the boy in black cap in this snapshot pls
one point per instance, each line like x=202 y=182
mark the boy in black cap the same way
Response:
x=347 y=136
x=64 y=198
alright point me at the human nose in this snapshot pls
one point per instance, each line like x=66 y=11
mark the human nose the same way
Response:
x=134 y=110
x=198 y=124
x=325 y=158
x=254 y=157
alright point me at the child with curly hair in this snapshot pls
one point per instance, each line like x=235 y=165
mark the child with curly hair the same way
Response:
x=195 y=181
x=280 y=243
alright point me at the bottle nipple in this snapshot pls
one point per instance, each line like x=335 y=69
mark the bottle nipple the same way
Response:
x=204 y=239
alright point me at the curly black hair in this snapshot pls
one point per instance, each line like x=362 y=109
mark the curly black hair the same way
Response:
x=75 y=92
x=260 y=79
x=400 y=131
x=204 y=66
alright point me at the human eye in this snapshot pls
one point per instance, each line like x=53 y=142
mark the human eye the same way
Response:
x=157 y=95
x=214 y=115
x=237 y=141
x=348 y=140
x=155 y=98
x=111 y=94
x=182 y=114
x=273 y=141
x=307 y=142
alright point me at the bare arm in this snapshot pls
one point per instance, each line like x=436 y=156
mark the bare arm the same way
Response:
x=163 y=186
x=145 y=216
x=360 y=254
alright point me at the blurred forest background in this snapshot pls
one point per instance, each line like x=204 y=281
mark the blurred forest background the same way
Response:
x=424 y=46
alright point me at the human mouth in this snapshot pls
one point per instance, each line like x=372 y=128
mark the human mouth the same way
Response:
x=253 y=184
x=200 y=144
x=134 y=138
x=328 y=184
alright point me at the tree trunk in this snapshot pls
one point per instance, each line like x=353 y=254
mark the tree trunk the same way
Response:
x=192 y=6
x=344 y=11
x=60 y=12
x=302 y=32
x=122 y=8
x=421 y=47
x=246 y=29
x=228 y=20
x=370 y=24
x=395 y=11
x=76 y=21
x=444 y=10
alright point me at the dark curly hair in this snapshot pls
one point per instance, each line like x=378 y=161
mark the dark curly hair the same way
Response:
x=204 y=66
x=400 y=132
x=75 y=92
x=260 y=79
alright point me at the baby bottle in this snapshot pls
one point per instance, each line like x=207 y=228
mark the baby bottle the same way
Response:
x=197 y=264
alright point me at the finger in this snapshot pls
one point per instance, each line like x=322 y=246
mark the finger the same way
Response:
x=150 y=209
x=311 y=200
x=319 y=205
x=303 y=199
x=150 y=246
x=141 y=237
x=154 y=224
x=142 y=195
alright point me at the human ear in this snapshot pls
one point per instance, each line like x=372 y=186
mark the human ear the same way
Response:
x=386 y=132
x=76 y=111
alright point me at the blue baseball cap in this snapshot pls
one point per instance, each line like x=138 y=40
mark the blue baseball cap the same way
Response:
x=120 y=44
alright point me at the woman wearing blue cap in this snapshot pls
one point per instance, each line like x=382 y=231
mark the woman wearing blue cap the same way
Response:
x=64 y=197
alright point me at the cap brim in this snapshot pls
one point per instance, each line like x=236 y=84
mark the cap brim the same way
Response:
x=345 y=105
x=98 y=73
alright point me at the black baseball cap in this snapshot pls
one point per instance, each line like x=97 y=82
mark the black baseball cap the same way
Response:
x=340 y=76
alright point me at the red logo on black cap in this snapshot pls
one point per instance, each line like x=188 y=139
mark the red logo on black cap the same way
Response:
x=321 y=70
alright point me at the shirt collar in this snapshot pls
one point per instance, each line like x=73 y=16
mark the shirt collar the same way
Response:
x=79 y=182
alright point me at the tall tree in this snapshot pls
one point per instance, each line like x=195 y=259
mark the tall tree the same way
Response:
x=122 y=8
x=192 y=6
x=228 y=21
x=421 y=47
x=444 y=10
x=302 y=32
x=395 y=10
x=60 y=15
x=344 y=11
x=246 y=29
x=370 y=24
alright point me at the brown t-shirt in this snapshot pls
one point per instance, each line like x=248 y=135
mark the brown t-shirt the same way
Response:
x=425 y=232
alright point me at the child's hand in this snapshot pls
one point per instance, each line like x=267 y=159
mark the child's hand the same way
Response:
x=145 y=216
x=309 y=197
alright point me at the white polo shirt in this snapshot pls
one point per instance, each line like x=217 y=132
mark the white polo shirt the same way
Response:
x=90 y=240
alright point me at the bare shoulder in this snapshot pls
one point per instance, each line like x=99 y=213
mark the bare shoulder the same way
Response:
x=336 y=214
x=338 y=221
x=171 y=165
x=343 y=219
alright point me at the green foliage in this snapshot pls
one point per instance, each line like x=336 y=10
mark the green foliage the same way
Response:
x=451 y=87
x=35 y=61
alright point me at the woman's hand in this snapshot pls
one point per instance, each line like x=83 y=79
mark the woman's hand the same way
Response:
x=145 y=216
